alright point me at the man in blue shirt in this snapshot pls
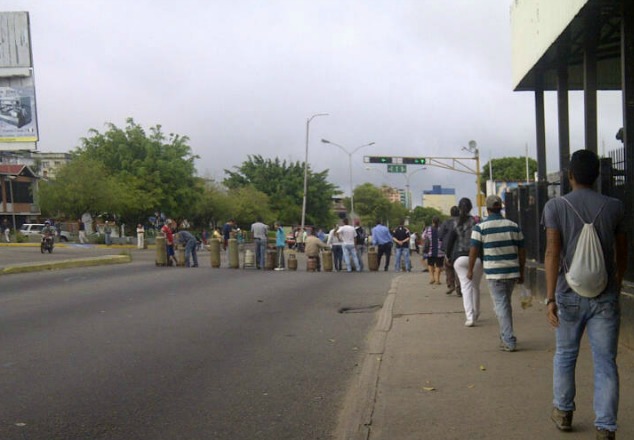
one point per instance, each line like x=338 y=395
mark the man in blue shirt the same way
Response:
x=382 y=239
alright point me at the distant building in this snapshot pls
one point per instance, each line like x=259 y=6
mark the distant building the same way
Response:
x=393 y=194
x=45 y=165
x=50 y=163
x=440 y=198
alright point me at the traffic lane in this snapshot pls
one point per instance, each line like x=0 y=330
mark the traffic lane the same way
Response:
x=186 y=354
x=31 y=254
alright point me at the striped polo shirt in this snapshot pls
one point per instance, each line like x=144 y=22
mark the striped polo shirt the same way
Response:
x=499 y=240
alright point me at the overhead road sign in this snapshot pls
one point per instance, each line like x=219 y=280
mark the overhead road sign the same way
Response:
x=397 y=168
x=415 y=160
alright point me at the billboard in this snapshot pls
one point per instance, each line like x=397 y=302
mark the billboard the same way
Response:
x=18 y=115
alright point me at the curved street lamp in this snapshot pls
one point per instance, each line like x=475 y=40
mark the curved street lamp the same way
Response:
x=349 y=153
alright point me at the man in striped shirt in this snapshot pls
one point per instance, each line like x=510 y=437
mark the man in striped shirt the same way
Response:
x=501 y=244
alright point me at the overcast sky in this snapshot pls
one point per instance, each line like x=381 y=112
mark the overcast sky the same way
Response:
x=241 y=77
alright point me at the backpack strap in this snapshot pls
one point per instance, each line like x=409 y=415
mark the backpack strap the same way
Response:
x=579 y=215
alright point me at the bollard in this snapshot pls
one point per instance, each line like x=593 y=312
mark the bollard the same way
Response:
x=326 y=261
x=269 y=259
x=311 y=264
x=214 y=250
x=249 y=259
x=180 y=255
x=292 y=262
x=373 y=259
x=234 y=258
x=161 y=252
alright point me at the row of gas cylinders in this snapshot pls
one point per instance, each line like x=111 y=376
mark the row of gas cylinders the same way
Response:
x=270 y=262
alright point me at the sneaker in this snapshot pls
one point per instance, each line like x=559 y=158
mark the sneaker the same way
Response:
x=448 y=292
x=604 y=434
x=468 y=323
x=279 y=268
x=504 y=347
x=563 y=420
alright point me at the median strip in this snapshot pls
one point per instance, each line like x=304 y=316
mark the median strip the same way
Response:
x=65 y=264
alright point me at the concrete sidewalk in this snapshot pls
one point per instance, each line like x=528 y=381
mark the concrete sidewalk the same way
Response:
x=427 y=376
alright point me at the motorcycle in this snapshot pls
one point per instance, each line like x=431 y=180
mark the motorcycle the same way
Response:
x=47 y=244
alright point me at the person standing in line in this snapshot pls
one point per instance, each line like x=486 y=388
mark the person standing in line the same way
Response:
x=167 y=232
x=140 y=236
x=359 y=242
x=280 y=244
x=312 y=247
x=226 y=233
x=458 y=248
x=107 y=230
x=82 y=231
x=187 y=239
x=453 y=283
x=413 y=243
x=400 y=235
x=7 y=230
x=501 y=243
x=347 y=234
x=435 y=255
x=572 y=314
x=259 y=232
x=382 y=239
x=337 y=248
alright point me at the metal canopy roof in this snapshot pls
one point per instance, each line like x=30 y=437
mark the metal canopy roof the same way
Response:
x=608 y=15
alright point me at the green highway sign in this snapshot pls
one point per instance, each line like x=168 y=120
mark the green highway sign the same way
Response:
x=396 y=168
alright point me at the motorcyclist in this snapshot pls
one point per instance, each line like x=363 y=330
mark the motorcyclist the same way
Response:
x=48 y=231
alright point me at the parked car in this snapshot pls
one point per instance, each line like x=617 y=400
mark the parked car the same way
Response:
x=36 y=228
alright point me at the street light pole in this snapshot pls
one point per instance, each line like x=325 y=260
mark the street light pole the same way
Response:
x=306 y=169
x=349 y=153
x=10 y=180
x=473 y=148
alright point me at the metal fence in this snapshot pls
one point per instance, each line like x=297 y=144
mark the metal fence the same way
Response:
x=525 y=204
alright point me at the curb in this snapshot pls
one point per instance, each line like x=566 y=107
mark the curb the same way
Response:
x=358 y=408
x=65 y=264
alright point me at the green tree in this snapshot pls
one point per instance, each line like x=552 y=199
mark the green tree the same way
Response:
x=84 y=185
x=284 y=185
x=508 y=169
x=420 y=217
x=157 y=170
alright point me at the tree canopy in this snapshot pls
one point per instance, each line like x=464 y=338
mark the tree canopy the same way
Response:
x=283 y=184
x=508 y=169
x=126 y=173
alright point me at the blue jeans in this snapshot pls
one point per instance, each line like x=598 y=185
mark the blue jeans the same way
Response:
x=348 y=249
x=190 y=252
x=260 y=252
x=501 y=291
x=360 y=250
x=600 y=317
x=337 y=255
x=397 y=264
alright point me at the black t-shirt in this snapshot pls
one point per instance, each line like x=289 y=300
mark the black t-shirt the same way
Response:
x=401 y=233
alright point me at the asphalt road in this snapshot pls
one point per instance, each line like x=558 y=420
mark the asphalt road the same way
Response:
x=136 y=351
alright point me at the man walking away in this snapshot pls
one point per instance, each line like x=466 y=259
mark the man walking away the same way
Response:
x=259 y=232
x=401 y=238
x=453 y=282
x=571 y=313
x=501 y=242
x=382 y=239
